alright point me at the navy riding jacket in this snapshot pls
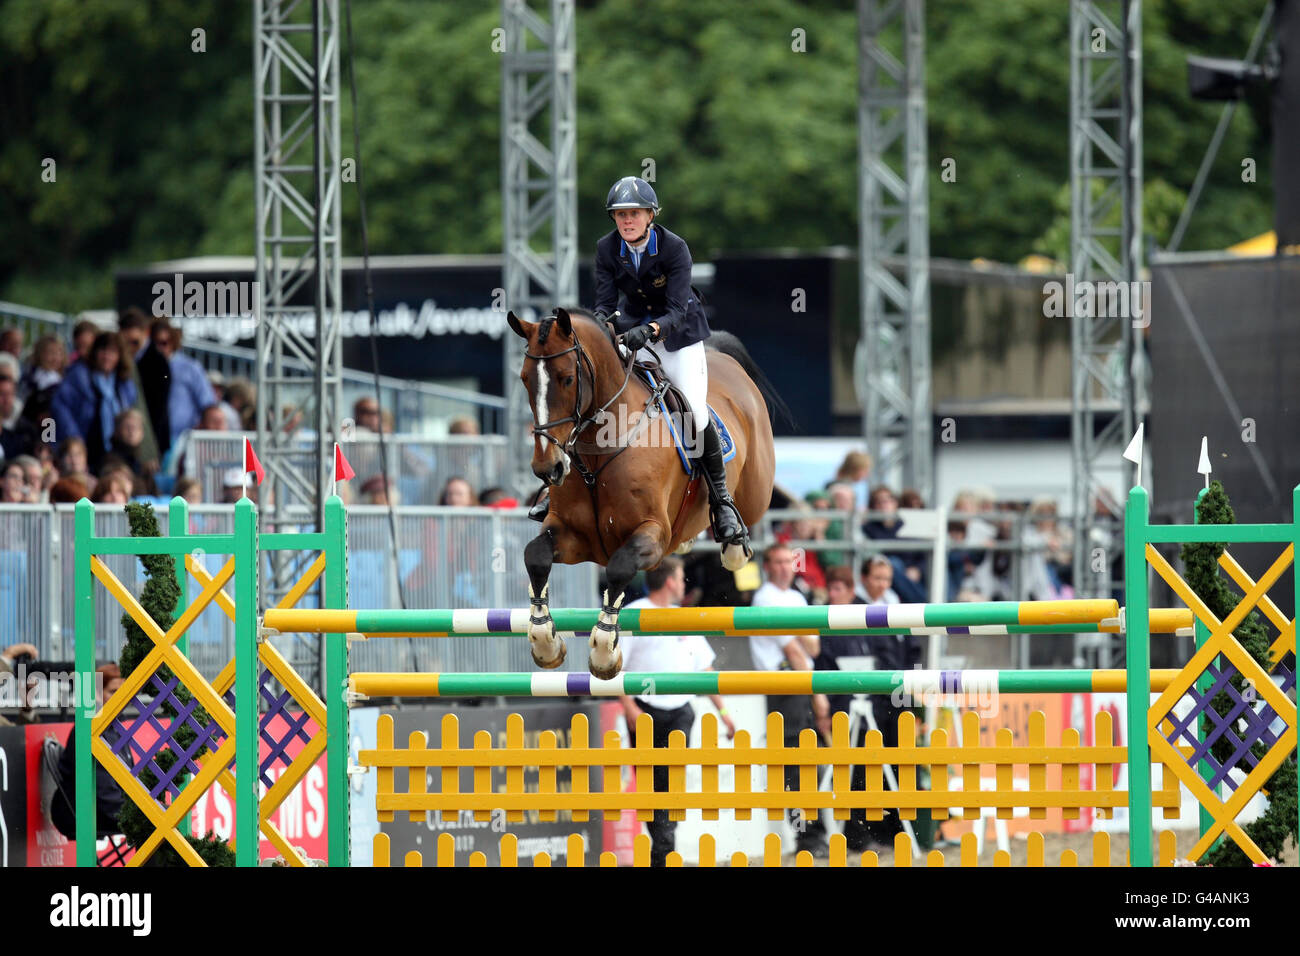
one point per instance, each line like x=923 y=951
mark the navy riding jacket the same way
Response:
x=659 y=291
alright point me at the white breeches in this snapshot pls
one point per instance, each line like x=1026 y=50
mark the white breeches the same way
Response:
x=688 y=369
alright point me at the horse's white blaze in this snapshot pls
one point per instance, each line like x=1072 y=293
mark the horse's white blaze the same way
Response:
x=543 y=380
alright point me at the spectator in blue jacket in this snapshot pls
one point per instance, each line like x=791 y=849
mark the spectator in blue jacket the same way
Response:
x=189 y=390
x=91 y=396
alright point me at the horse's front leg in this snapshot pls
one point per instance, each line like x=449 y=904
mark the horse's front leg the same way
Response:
x=546 y=645
x=643 y=549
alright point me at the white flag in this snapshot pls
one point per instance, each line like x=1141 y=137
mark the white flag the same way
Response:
x=1134 y=451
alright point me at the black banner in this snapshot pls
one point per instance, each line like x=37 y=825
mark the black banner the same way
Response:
x=13 y=796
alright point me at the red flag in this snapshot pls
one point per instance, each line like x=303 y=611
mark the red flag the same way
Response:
x=342 y=470
x=251 y=463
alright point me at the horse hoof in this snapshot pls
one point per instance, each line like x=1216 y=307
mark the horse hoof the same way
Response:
x=550 y=665
x=546 y=646
x=686 y=547
x=606 y=673
x=736 y=556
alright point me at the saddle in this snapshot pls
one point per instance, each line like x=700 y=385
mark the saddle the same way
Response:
x=666 y=398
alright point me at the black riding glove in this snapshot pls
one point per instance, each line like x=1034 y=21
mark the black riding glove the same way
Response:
x=636 y=337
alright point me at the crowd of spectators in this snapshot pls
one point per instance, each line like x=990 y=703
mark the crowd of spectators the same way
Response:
x=985 y=538
x=111 y=415
x=978 y=570
x=107 y=416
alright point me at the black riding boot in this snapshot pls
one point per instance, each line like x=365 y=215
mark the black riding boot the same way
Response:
x=539 y=510
x=728 y=528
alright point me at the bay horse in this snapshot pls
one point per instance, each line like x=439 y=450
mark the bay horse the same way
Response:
x=619 y=494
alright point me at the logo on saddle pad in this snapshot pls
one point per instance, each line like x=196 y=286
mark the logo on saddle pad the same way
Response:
x=659 y=282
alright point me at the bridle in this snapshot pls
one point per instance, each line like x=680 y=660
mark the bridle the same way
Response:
x=581 y=421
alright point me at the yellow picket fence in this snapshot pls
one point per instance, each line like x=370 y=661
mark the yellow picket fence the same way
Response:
x=956 y=777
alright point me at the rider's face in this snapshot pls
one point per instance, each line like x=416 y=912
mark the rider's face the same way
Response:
x=632 y=223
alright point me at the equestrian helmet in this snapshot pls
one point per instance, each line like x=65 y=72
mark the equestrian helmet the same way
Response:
x=631 y=192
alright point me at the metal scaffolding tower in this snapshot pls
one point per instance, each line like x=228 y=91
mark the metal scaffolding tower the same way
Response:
x=539 y=176
x=892 y=364
x=297 y=179
x=1105 y=247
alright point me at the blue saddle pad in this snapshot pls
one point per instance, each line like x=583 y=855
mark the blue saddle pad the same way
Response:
x=724 y=436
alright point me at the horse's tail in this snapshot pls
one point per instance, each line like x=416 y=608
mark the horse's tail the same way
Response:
x=728 y=344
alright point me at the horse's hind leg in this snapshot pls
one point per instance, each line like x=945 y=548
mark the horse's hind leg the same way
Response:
x=547 y=646
x=643 y=549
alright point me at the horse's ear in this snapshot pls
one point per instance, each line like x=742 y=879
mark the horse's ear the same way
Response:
x=517 y=325
x=564 y=322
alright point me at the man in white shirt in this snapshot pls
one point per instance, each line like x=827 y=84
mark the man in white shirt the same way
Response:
x=666 y=653
x=791 y=652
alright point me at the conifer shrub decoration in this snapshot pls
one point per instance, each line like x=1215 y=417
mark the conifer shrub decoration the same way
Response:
x=1201 y=563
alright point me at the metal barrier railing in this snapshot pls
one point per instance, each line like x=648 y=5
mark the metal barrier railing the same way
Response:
x=418 y=467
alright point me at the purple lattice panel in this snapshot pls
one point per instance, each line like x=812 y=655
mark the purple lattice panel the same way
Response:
x=277 y=705
x=1257 y=728
x=151 y=703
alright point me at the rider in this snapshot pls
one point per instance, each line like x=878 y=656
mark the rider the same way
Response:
x=648 y=268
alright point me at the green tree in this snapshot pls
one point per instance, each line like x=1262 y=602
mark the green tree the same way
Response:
x=752 y=127
x=146 y=134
